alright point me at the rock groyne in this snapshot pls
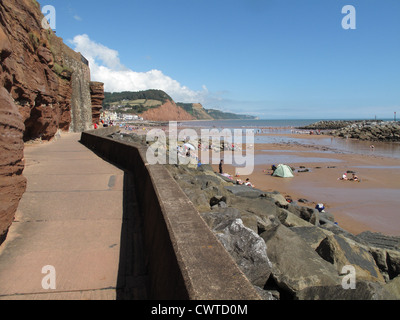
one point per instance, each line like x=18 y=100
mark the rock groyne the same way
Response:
x=367 y=130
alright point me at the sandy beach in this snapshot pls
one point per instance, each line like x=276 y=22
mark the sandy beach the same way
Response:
x=371 y=204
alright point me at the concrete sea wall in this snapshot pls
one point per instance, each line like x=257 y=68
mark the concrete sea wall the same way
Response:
x=184 y=258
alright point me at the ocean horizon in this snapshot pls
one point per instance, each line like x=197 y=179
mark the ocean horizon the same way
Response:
x=261 y=123
x=287 y=126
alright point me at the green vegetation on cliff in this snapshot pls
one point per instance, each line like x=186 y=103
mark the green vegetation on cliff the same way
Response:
x=220 y=115
x=200 y=113
x=139 y=95
x=141 y=101
x=196 y=110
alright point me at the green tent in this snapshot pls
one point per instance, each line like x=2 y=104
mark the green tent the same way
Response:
x=283 y=171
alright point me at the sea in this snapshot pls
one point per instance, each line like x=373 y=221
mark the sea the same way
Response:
x=251 y=123
x=275 y=131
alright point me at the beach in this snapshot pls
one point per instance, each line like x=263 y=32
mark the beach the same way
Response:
x=369 y=205
x=357 y=229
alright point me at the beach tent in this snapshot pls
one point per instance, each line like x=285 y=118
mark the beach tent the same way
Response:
x=189 y=146
x=283 y=171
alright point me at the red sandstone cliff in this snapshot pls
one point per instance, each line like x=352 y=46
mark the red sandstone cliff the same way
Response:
x=97 y=94
x=44 y=87
x=169 y=111
x=29 y=70
x=12 y=183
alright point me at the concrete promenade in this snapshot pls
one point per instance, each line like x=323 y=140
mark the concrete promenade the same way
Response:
x=70 y=218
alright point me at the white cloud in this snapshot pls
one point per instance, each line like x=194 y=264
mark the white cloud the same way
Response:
x=105 y=66
x=77 y=18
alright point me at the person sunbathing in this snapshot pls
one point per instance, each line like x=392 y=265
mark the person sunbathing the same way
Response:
x=344 y=177
x=248 y=183
x=354 y=178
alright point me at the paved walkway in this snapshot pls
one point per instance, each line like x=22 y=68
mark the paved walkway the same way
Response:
x=70 y=218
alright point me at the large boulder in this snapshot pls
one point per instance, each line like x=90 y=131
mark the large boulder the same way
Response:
x=364 y=290
x=341 y=252
x=260 y=224
x=295 y=265
x=278 y=199
x=203 y=188
x=380 y=240
x=312 y=235
x=308 y=214
x=247 y=248
x=261 y=207
x=388 y=261
x=244 y=191
x=215 y=218
x=290 y=219
x=393 y=288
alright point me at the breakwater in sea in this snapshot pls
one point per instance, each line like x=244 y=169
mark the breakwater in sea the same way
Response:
x=367 y=130
x=287 y=250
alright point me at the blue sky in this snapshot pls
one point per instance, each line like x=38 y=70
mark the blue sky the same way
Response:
x=274 y=59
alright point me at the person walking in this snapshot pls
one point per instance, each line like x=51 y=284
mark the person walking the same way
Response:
x=220 y=167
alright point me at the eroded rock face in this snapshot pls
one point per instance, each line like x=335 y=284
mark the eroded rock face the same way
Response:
x=40 y=72
x=12 y=182
x=169 y=111
x=97 y=95
x=28 y=70
x=39 y=77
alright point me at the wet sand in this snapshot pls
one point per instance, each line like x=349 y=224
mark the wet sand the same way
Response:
x=371 y=204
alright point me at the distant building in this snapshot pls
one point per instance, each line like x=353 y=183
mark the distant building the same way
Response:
x=130 y=117
x=108 y=116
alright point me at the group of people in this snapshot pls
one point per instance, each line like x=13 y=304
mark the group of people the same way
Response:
x=238 y=181
x=352 y=178
x=103 y=124
x=245 y=183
